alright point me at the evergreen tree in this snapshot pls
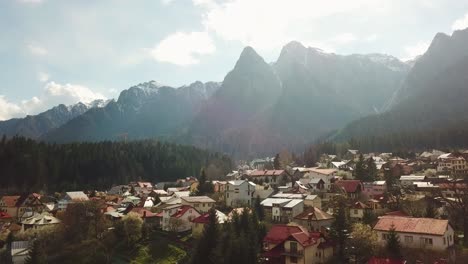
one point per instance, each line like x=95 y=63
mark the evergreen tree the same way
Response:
x=431 y=211
x=36 y=254
x=393 y=245
x=369 y=217
x=204 y=250
x=259 y=209
x=360 y=170
x=340 y=229
x=371 y=173
x=276 y=162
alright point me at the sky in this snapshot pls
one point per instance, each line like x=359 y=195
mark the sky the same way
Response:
x=56 y=51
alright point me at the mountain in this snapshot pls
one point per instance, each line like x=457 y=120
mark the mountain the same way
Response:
x=261 y=107
x=431 y=101
x=33 y=126
x=146 y=110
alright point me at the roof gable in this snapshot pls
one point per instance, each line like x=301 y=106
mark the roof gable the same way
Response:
x=427 y=226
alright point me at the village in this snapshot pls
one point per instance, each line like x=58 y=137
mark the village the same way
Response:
x=311 y=214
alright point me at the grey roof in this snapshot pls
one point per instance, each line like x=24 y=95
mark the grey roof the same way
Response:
x=77 y=196
x=287 y=203
x=198 y=199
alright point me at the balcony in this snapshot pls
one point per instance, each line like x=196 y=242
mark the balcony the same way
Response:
x=293 y=253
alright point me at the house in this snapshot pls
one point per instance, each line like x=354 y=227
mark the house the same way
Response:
x=261 y=164
x=294 y=244
x=356 y=211
x=427 y=233
x=219 y=186
x=408 y=180
x=374 y=189
x=5 y=218
x=449 y=163
x=72 y=197
x=313 y=201
x=327 y=176
x=239 y=193
x=314 y=219
x=38 y=221
x=178 y=218
x=199 y=223
x=274 y=177
x=201 y=203
x=314 y=184
x=352 y=188
x=22 y=206
x=282 y=210
x=19 y=251
x=351 y=154
x=453 y=190
x=147 y=216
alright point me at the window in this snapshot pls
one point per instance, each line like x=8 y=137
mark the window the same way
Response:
x=445 y=242
x=293 y=247
x=408 y=239
x=384 y=236
x=293 y=259
x=355 y=211
x=227 y=195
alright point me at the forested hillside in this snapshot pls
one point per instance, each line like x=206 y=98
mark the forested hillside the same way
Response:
x=29 y=165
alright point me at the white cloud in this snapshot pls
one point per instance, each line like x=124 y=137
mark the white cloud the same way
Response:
x=8 y=109
x=53 y=95
x=166 y=2
x=71 y=93
x=43 y=76
x=183 y=48
x=37 y=50
x=269 y=24
x=412 y=51
x=461 y=23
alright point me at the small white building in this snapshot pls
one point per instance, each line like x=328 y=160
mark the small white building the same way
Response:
x=239 y=193
x=178 y=218
x=408 y=180
x=327 y=175
x=19 y=251
x=427 y=233
x=72 y=197
x=282 y=210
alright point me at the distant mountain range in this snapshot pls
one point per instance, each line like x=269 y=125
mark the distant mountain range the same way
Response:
x=261 y=107
x=34 y=126
x=432 y=100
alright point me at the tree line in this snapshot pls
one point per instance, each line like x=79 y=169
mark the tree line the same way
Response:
x=28 y=165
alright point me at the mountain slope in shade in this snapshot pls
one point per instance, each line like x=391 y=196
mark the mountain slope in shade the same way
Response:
x=146 y=110
x=434 y=96
x=261 y=108
x=33 y=126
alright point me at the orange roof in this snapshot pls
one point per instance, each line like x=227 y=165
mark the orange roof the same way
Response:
x=143 y=212
x=427 y=226
x=304 y=238
x=259 y=173
x=10 y=201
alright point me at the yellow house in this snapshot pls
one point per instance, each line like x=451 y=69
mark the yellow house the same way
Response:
x=199 y=223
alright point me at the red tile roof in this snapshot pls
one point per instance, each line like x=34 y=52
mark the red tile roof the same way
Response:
x=143 y=212
x=427 y=226
x=279 y=233
x=202 y=219
x=259 y=173
x=10 y=201
x=350 y=186
x=182 y=210
x=314 y=213
x=304 y=238
x=4 y=215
